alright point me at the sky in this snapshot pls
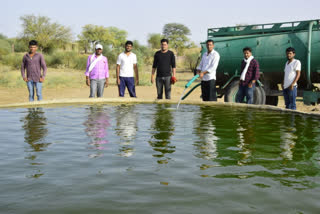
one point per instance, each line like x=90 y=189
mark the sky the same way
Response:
x=142 y=17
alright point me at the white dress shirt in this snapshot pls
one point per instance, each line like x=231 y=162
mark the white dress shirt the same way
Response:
x=209 y=62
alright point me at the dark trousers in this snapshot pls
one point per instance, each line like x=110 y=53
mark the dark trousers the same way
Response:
x=166 y=82
x=208 y=90
x=129 y=83
x=245 y=91
x=290 y=98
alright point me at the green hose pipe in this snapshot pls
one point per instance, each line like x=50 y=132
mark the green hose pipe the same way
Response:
x=191 y=81
x=189 y=92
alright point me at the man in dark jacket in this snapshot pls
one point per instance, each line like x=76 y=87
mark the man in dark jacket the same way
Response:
x=249 y=75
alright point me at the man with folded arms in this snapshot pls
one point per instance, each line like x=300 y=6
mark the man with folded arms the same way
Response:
x=97 y=72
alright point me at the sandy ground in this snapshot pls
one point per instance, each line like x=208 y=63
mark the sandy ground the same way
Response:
x=20 y=95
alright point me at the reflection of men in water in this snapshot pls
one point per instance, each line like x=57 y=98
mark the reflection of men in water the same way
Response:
x=96 y=127
x=164 y=127
x=246 y=137
x=207 y=146
x=34 y=125
x=126 y=129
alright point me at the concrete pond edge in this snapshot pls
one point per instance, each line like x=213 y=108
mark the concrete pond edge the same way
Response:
x=115 y=101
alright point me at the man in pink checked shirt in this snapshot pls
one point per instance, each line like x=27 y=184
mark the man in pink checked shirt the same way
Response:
x=97 y=72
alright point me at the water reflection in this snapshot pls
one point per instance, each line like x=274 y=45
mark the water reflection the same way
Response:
x=162 y=130
x=288 y=138
x=259 y=144
x=126 y=129
x=246 y=137
x=96 y=128
x=206 y=147
x=35 y=127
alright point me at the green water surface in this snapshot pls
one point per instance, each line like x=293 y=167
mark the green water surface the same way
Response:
x=150 y=159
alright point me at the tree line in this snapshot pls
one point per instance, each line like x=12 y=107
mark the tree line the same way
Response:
x=53 y=36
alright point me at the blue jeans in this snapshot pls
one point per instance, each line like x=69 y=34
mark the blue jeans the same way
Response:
x=245 y=91
x=290 y=98
x=31 y=85
x=129 y=83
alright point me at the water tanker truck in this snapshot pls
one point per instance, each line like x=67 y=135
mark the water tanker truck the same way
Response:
x=269 y=43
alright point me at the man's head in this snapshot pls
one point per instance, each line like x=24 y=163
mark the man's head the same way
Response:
x=33 y=46
x=99 y=49
x=247 y=52
x=128 y=46
x=164 y=44
x=291 y=52
x=210 y=45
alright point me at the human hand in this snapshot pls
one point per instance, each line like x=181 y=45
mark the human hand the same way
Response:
x=291 y=87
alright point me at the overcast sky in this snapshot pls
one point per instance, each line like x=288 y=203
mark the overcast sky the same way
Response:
x=141 y=17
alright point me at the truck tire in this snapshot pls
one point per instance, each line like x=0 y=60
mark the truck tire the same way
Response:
x=231 y=92
x=259 y=97
x=272 y=100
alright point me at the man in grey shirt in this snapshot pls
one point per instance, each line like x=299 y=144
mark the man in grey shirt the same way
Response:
x=33 y=62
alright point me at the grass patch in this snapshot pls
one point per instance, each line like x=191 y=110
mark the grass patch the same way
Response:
x=74 y=78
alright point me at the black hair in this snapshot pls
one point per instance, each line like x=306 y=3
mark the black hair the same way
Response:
x=164 y=40
x=129 y=43
x=247 y=49
x=209 y=40
x=291 y=49
x=33 y=42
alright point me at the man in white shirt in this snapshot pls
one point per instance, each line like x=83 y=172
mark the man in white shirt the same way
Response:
x=207 y=71
x=291 y=76
x=126 y=64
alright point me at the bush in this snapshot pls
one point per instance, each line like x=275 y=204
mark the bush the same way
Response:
x=80 y=62
x=12 y=60
x=5 y=47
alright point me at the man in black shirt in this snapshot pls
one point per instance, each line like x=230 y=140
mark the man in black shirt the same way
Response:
x=164 y=62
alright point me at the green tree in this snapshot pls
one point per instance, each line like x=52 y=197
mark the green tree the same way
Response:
x=177 y=34
x=154 y=40
x=5 y=47
x=49 y=34
x=2 y=36
x=110 y=36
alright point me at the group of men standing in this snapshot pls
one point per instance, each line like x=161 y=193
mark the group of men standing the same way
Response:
x=249 y=76
x=164 y=65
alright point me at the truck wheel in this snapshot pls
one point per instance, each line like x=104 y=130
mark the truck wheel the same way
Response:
x=259 y=97
x=273 y=100
x=231 y=92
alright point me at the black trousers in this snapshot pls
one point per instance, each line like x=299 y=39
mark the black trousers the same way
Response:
x=208 y=90
x=163 y=82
